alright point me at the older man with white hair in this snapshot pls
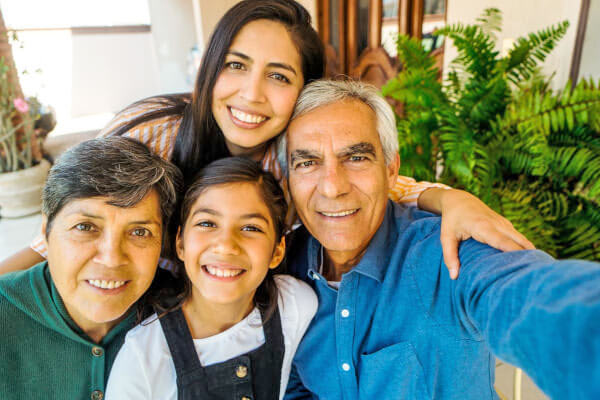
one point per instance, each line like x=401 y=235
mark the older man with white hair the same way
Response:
x=390 y=323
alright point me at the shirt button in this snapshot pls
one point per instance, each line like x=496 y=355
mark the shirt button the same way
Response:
x=246 y=398
x=97 y=395
x=241 y=371
x=97 y=351
x=315 y=276
x=345 y=313
x=346 y=367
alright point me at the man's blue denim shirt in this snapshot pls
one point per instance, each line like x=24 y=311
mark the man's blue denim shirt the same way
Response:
x=400 y=328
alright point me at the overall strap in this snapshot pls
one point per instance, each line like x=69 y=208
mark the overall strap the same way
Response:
x=267 y=360
x=272 y=329
x=180 y=343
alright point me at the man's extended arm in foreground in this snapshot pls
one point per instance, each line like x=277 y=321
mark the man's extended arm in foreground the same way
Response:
x=537 y=313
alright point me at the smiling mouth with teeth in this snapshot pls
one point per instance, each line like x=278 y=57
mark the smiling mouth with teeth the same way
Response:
x=339 y=214
x=102 y=284
x=222 y=272
x=245 y=117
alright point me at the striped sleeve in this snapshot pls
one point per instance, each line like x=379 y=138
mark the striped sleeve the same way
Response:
x=407 y=190
x=158 y=134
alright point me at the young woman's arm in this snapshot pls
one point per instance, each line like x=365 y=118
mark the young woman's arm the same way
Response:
x=23 y=259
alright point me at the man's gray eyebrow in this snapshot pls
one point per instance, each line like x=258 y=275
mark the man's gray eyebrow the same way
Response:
x=358 y=148
x=302 y=154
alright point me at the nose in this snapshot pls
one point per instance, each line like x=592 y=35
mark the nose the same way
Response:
x=110 y=252
x=225 y=243
x=333 y=181
x=252 y=89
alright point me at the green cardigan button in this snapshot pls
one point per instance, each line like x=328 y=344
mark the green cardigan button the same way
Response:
x=97 y=351
x=97 y=395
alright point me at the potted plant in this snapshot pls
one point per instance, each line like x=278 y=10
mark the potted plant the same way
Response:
x=497 y=129
x=22 y=168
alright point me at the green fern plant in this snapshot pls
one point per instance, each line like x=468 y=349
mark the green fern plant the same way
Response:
x=496 y=129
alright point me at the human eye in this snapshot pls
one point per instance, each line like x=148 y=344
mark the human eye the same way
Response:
x=357 y=158
x=84 y=227
x=280 y=77
x=252 y=228
x=304 y=164
x=141 y=232
x=205 y=224
x=234 y=65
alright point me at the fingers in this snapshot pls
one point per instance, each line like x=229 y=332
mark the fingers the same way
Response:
x=502 y=237
x=520 y=239
x=450 y=249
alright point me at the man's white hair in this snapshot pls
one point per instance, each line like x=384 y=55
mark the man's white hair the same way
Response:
x=324 y=92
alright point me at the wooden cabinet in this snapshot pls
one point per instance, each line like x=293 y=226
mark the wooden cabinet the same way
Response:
x=359 y=35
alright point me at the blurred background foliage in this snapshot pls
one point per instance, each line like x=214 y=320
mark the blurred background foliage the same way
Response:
x=497 y=129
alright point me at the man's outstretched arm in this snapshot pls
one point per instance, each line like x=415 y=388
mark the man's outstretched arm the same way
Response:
x=537 y=313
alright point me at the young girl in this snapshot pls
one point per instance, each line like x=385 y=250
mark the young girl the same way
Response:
x=259 y=57
x=234 y=326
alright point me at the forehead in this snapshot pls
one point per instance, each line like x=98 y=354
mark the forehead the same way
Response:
x=145 y=210
x=337 y=125
x=232 y=200
x=265 y=39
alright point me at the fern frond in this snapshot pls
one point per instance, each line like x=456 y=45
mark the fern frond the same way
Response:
x=550 y=113
x=476 y=49
x=491 y=22
x=524 y=57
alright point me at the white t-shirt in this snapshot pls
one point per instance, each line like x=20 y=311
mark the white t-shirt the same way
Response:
x=144 y=369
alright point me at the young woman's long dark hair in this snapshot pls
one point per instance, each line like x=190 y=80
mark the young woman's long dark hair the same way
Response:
x=199 y=139
x=168 y=293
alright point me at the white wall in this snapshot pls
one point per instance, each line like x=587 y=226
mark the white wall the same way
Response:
x=212 y=10
x=173 y=36
x=590 y=57
x=519 y=18
x=110 y=71
x=86 y=73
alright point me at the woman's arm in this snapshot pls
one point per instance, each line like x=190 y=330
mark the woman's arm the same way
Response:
x=23 y=259
x=464 y=216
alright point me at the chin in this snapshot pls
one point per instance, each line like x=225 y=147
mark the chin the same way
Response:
x=108 y=315
x=338 y=244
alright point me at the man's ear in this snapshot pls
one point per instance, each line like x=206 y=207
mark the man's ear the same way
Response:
x=43 y=229
x=278 y=254
x=392 y=171
x=179 y=244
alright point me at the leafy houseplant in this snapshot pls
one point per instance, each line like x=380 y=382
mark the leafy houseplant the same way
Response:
x=16 y=129
x=496 y=129
x=22 y=168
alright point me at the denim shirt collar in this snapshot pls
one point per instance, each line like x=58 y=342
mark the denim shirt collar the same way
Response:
x=374 y=262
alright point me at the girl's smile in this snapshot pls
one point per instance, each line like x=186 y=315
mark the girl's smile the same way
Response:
x=223 y=272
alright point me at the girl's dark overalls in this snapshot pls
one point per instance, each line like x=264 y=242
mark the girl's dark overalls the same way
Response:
x=252 y=376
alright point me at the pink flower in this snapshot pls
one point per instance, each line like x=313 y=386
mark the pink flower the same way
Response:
x=21 y=105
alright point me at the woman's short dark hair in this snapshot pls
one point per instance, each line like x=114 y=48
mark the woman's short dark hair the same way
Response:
x=229 y=170
x=199 y=139
x=119 y=168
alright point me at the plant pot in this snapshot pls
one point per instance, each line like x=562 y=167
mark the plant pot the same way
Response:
x=21 y=191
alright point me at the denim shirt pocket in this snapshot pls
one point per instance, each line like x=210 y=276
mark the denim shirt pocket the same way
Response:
x=393 y=372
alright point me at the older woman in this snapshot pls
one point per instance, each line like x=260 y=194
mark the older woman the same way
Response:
x=106 y=205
